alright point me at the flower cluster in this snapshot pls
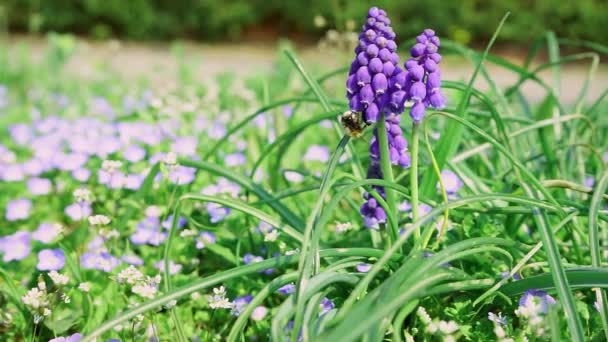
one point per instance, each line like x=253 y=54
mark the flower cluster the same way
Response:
x=447 y=329
x=141 y=285
x=219 y=300
x=533 y=307
x=372 y=85
x=423 y=79
x=40 y=301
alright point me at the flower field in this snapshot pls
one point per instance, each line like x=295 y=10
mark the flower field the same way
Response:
x=378 y=201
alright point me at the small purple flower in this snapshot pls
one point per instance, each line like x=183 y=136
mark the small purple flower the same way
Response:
x=148 y=232
x=50 y=260
x=16 y=246
x=18 y=209
x=251 y=259
x=181 y=222
x=363 y=267
x=174 y=267
x=287 y=289
x=73 y=338
x=217 y=213
x=506 y=274
x=81 y=174
x=451 y=182
x=240 y=303
x=185 y=146
x=204 y=239
x=12 y=173
x=132 y=259
x=589 y=181
x=326 y=306
x=544 y=299
x=259 y=313
x=39 y=186
x=78 y=211
x=134 y=153
x=102 y=261
x=235 y=159
x=317 y=153
x=182 y=175
x=46 y=232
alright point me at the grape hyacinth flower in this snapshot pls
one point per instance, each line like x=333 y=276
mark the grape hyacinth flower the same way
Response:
x=376 y=86
x=423 y=80
x=375 y=81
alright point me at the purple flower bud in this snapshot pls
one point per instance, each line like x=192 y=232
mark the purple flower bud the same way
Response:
x=417 y=50
x=418 y=91
x=433 y=80
x=385 y=55
x=429 y=33
x=391 y=46
x=436 y=99
x=388 y=68
x=421 y=39
x=371 y=113
x=373 y=12
x=372 y=50
x=430 y=65
x=435 y=41
x=363 y=76
x=399 y=80
x=417 y=112
x=355 y=104
x=366 y=95
x=430 y=49
x=375 y=65
x=400 y=143
x=404 y=160
x=381 y=41
x=379 y=83
x=416 y=72
x=435 y=57
x=397 y=99
x=362 y=58
x=370 y=35
x=351 y=85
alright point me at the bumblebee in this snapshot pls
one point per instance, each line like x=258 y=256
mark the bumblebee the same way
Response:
x=352 y=123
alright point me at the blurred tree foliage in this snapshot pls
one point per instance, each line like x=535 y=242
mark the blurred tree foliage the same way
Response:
x=462 y=20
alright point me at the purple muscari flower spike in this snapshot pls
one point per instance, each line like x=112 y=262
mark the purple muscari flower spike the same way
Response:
x=374 y=73
x=423 y=80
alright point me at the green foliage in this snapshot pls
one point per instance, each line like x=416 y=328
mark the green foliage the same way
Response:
x=462 y=21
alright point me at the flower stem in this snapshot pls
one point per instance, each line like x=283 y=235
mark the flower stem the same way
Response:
x=387 y=174
x=414 y=178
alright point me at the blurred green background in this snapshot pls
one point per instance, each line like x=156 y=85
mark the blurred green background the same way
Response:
x=466 y=21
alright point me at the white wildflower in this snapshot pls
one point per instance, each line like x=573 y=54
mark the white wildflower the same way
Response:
x=188 y=233
x=218 y=300
x=424 y=316
x=130 y=275
x=99 y=220
x=271 y=236
x=448 y=327
x=110 y=166
x=59 y=279
x=46 y=312
x=82 y=195
x=84 y=287
x=342 y=227
x=65 y=298
x=35 y=298
x=195 y=296
x=145 y=290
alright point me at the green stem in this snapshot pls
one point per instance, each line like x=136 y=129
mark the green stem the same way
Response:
x=387 y=174
x=414 y=178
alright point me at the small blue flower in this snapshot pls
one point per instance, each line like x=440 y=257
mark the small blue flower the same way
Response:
x=287 y=289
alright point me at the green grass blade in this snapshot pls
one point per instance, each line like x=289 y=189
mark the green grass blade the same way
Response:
x=594 y=245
